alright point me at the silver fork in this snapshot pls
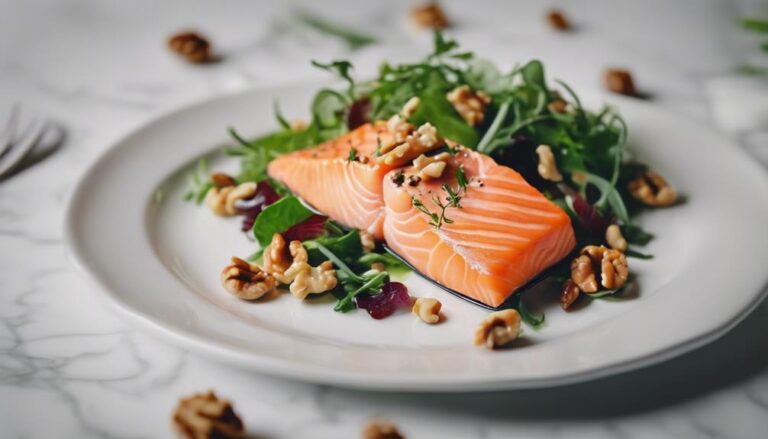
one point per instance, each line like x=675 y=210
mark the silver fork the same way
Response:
x=17 y=140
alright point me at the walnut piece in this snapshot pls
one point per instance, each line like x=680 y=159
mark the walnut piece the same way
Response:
x=381 y=429
x=424 y=139
x=204 y=416
x=470 y=105
x=558 y=106
x=653 y=190
x=498 y=329
x=293 y=269
x=276 y=258
x=615 y=239
x=427 y=309
x=557 y=20
x=569 y=294
x=619 y=81
x=378 y=266
x=429 y=16
x=247 y=281
x=547 y=165
x=221 y=180
x=222 y=200
x=194 y=47
x=431 y=167
x=299 y=125
x=367 y=241
x=612 y=264
x=410 y=107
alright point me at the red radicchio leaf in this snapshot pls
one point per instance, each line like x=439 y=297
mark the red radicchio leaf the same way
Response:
x=358 y=113
x=590 y=217
x=393 y=295
x=252 y=207
x=311 y=227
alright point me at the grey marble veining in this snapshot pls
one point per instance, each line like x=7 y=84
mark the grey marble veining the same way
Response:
x=70 y=368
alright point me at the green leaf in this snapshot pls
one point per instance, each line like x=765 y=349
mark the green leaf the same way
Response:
x=435 y=109
x=442 y=45
x=394 y=265
x=353 y=38
x=347 y=248
x=636 y=254
x=610 y=196
x=533 y=74
x=279 y=217
x=635 y=234
x=759 y=25
x=343 y=69
x=534 y=320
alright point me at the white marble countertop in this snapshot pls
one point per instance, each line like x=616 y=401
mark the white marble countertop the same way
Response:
x=71 y=368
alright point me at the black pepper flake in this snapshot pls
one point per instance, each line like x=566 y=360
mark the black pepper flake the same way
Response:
x=413 y=180
x=398 y=178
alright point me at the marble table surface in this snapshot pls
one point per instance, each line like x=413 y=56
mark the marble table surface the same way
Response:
x=71 y=368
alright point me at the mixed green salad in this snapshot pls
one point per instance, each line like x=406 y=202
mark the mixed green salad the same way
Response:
x=525 y=110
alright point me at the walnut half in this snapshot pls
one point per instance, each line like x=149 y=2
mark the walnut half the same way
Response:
x=498 y=329
x=293 y=268
x=547 y=165
x=247 y=281
x=653 y=190
x=612 y=264
x=427 y=309
x=204 y=415
x=222 y=200
x=469 y=104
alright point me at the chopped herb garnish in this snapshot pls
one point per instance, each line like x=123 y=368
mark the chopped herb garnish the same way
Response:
x=352 y=155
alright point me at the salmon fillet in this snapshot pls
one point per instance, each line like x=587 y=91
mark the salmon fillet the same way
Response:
x=505 y=233
x=350 y=192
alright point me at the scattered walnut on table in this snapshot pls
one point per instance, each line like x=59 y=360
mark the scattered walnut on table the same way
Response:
x=429 y=16
x=193 y=46
x=653 y=190
x=427 y=309
x=619 y=81
x=381 y=429
x=547 y=167
x=469 y=104
x=247 y=281
x=204 y=416
x=612 y=265
x=498 y=329
x=557 y=20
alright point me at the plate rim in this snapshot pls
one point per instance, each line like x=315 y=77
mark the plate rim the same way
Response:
x=311 y=373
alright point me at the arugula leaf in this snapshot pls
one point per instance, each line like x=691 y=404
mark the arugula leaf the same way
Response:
x=442 y=45
x=435 y=109
x=341 y=68
x=394 y=265
x=279 y=217
x=610 y=196
x=635 y=234
x=353 y=39
x=636 y=254
x=347 y=248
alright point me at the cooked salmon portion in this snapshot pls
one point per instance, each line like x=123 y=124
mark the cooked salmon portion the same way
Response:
x=503 y=235
x=349 y=191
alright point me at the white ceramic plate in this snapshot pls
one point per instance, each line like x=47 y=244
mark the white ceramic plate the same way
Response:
x=158 y=260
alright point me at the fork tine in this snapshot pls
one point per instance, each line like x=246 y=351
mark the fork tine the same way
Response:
x=22 y=147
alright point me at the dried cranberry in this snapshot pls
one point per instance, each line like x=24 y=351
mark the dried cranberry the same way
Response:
x=358 y=113
x=393 y=295
x=590 y=217
x=311 y=227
